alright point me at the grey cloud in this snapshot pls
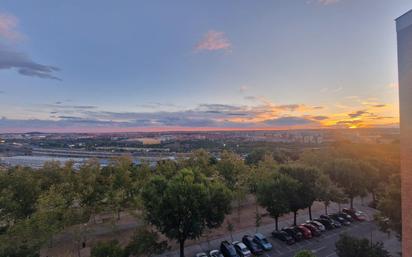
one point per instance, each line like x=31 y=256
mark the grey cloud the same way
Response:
x=290 y=121
x=357 y=114
x=11 y=59
x=320 y=117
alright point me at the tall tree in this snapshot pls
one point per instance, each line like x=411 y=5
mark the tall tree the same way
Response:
x=389 y=205
x=308 y=190
x=235 y=174
x=347 y=174
x=328 y=192
x=274 y=194
x=90 y=187
x=183 y=206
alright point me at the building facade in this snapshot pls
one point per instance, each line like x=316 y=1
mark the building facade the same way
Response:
x=404 y=31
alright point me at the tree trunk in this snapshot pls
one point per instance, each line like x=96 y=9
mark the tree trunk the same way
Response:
x=295 y=213
x=182 y=248
x=277 y=223
x=310 y=212
x=326 y=208
x=351 y=202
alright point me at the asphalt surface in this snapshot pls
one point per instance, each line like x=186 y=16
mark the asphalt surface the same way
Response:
x=323 y=246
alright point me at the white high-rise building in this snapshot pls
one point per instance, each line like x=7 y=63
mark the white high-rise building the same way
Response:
x=404 y=30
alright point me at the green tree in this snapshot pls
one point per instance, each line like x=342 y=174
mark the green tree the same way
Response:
x=18 y=194
x=107 y=249
x=235 y=175
x=328 y=192
x=348 y=246
x=183 y=206
x=308 y=190
x=275 y=193
x=90 y=187
x=347 y=175
x=202 y=161
x=305 y=253
x=254 y=157
x=145 y=243
x=389 y=206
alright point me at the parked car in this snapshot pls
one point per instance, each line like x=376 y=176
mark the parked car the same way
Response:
x=242 y=249
x=317 y=224
x=262 y=242
x=307 y=234
x=345 y=216
x=283 y=236
x=228 y=250
x=253 y=247
x=338 y=217
x=297 y=235
x=215 y=253
x=315 y=231
x=201 y=255
x=328 y=225
x=356 y=215
x=335 y=223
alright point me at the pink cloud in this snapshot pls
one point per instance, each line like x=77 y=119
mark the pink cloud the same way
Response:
x=8 y=28
x=328 y=2
x=213 y=41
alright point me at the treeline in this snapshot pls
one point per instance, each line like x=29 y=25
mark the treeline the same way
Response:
x=181 y=199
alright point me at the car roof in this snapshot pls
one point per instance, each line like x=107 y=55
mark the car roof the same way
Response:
x=259 y=235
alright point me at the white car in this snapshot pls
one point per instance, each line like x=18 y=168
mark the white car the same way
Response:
x=242 y=249
x=215 y=253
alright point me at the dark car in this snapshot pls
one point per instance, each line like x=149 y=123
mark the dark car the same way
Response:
x=335 y=223
x=296 y=234
x=328 y=225
x=315 y=231
x=253 y=247
x=340 y=219
x=307 y=234
x=262 y=242
x=228 y=250
x=345 y=216
x=283 y=236
x=356 y=215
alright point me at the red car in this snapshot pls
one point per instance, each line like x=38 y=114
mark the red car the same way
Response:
x=314 y=230
x=356 y=215
x=307 y=234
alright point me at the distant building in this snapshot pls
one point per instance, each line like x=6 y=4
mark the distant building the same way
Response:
x=404 y=30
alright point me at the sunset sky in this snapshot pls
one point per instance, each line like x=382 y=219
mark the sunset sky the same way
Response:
x=103 y=65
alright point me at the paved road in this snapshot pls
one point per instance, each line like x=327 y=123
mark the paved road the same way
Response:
x=323 y=246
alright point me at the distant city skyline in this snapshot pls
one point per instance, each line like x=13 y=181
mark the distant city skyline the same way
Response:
x=102 y=66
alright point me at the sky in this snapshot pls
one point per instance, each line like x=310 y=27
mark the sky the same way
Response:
x=101 y=65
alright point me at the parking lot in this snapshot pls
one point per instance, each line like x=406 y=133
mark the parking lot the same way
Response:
x=323 y=246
